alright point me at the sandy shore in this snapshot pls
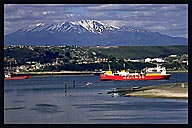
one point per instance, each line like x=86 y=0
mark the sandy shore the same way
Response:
x=179 y=91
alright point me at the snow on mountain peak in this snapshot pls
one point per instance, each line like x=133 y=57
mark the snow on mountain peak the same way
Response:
x=87 y=24
x=37 y=26
x=92 y=26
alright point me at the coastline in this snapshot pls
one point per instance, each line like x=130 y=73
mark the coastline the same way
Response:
x=175 y=91
x=177 y=71
x=56 y=73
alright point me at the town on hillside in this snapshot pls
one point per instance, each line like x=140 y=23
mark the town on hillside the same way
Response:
x=20 y=58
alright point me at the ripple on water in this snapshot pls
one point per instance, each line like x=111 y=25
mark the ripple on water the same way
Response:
x=14 y=108
x=46 y=108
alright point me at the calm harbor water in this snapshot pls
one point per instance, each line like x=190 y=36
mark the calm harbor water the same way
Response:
x=42 y=100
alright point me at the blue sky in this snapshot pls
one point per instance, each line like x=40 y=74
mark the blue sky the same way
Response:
x=169 y=19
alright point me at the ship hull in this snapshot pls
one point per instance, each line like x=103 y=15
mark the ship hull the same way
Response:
x=116 y=78
x=16 y=78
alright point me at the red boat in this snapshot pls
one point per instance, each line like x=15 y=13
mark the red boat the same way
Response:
x=9 y=77
x=157 y=73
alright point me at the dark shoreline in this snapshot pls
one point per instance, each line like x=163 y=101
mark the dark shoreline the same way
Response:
x=182 y=71
x=56 y=73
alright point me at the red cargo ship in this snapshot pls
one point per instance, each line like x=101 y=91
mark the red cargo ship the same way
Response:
x=156 y=73
x=9 y=77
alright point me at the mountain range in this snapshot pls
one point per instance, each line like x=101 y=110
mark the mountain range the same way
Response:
x=89 y=33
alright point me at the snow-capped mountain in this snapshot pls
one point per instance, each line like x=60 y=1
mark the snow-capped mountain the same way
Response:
x=91 y=26
x=88 y=33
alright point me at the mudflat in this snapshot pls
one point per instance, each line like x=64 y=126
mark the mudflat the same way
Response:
x=179 y=91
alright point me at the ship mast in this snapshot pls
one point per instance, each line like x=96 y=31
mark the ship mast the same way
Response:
x=109 y=67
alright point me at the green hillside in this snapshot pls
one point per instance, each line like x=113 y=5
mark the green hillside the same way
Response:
x=140 y=51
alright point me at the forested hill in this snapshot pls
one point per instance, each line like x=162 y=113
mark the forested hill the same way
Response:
x=139 y=52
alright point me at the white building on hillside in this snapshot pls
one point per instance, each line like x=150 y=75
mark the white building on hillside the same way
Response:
x=154 y=60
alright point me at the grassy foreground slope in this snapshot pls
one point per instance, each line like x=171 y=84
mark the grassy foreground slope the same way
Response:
x=140 y=51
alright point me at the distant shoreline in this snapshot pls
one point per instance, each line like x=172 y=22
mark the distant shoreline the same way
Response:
x=57 y=73
x=177 y=71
